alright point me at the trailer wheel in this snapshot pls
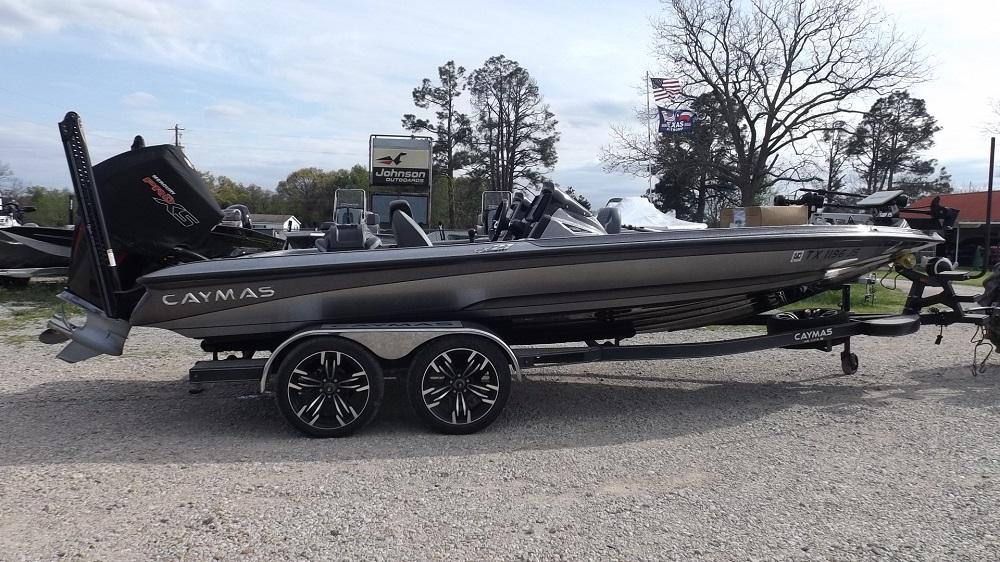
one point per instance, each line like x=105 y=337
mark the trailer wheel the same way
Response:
x=329 y=387
x=849 y=363
x=458 y=384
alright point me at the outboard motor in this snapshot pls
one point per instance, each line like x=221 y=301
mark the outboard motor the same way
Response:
x=158 y=212
x=141 y=211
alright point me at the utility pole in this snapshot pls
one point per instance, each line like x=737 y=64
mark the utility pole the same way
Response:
x=177 y=135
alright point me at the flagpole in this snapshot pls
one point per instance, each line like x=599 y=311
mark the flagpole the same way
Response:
x=649 y=140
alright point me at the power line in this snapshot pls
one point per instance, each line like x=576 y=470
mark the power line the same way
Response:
x=199 y=144
x=177 y=129
x=52 y=126
x=273 y=149
x=278 y=135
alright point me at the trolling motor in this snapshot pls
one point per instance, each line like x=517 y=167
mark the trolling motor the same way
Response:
x=813 y=200
x=879 y=208
x=938 y=217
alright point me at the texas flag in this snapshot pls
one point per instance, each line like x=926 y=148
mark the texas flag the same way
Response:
x=677 y=120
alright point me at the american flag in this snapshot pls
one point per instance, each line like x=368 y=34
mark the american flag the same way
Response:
x=665 y=88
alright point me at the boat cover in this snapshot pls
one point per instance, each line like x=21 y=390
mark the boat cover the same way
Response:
x=154 y=200
x=639 y=211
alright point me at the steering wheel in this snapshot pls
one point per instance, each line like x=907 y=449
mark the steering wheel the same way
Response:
x=521 y=217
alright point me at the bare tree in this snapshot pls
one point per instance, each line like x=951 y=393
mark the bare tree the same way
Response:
x=783 y=69
x=10 y=185
x=993 y=127
x=629 y=152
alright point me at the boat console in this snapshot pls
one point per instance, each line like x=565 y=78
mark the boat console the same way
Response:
x=551 y=214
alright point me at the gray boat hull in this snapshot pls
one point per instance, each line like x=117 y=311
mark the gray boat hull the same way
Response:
x=526 y=291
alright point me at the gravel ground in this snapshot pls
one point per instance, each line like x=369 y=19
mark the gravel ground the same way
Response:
x=770 y=455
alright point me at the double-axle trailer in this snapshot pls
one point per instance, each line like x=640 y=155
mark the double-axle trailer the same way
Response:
x=458 y=375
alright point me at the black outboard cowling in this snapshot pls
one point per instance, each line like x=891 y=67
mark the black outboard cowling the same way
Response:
x=154 y=201
x=156 y=211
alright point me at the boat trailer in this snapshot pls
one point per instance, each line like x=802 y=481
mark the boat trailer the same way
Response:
x=398 y=350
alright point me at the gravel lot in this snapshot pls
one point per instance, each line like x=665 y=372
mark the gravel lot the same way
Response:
x=770 y=455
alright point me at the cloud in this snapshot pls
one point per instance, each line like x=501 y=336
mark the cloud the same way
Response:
x=148 y=31
x=19 y=18
x=139 y=99
x=226 y=110
x=966 y=173
x=597 y=113
x=33 y=151
x=597 y=185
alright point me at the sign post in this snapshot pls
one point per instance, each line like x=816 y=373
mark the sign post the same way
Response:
x=401 y=168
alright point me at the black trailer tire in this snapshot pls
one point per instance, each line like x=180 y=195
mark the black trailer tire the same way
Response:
x=329 y=387
x=458 y=384
x=794 y=320
x=849 y=363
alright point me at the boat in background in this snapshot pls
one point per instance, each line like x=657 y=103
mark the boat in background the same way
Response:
x=29 y=250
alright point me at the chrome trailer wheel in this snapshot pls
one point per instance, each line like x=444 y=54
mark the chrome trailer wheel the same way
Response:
x=458 y=384
x=329 y=387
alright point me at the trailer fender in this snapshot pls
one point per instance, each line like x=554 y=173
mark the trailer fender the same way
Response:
x=386 y=341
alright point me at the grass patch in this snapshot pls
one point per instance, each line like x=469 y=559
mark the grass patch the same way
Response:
x=889 y=273
x=33 y=293
x=975 y=282
x=886 y=301
x=29 y=305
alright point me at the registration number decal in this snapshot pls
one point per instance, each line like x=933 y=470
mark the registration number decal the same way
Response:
x=822 y=255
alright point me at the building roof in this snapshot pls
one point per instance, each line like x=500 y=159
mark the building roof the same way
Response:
x=971 y=206
x=271 y=218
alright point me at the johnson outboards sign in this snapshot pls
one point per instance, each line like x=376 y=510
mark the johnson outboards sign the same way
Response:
x=401 y=162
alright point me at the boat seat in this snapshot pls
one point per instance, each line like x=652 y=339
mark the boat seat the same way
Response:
x=406 y=230
x=611 y=219
x=348 y=237
x=400 y=205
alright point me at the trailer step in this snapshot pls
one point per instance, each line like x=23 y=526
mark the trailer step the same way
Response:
x=227 y=370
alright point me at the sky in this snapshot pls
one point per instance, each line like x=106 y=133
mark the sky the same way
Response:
x=263 y=88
